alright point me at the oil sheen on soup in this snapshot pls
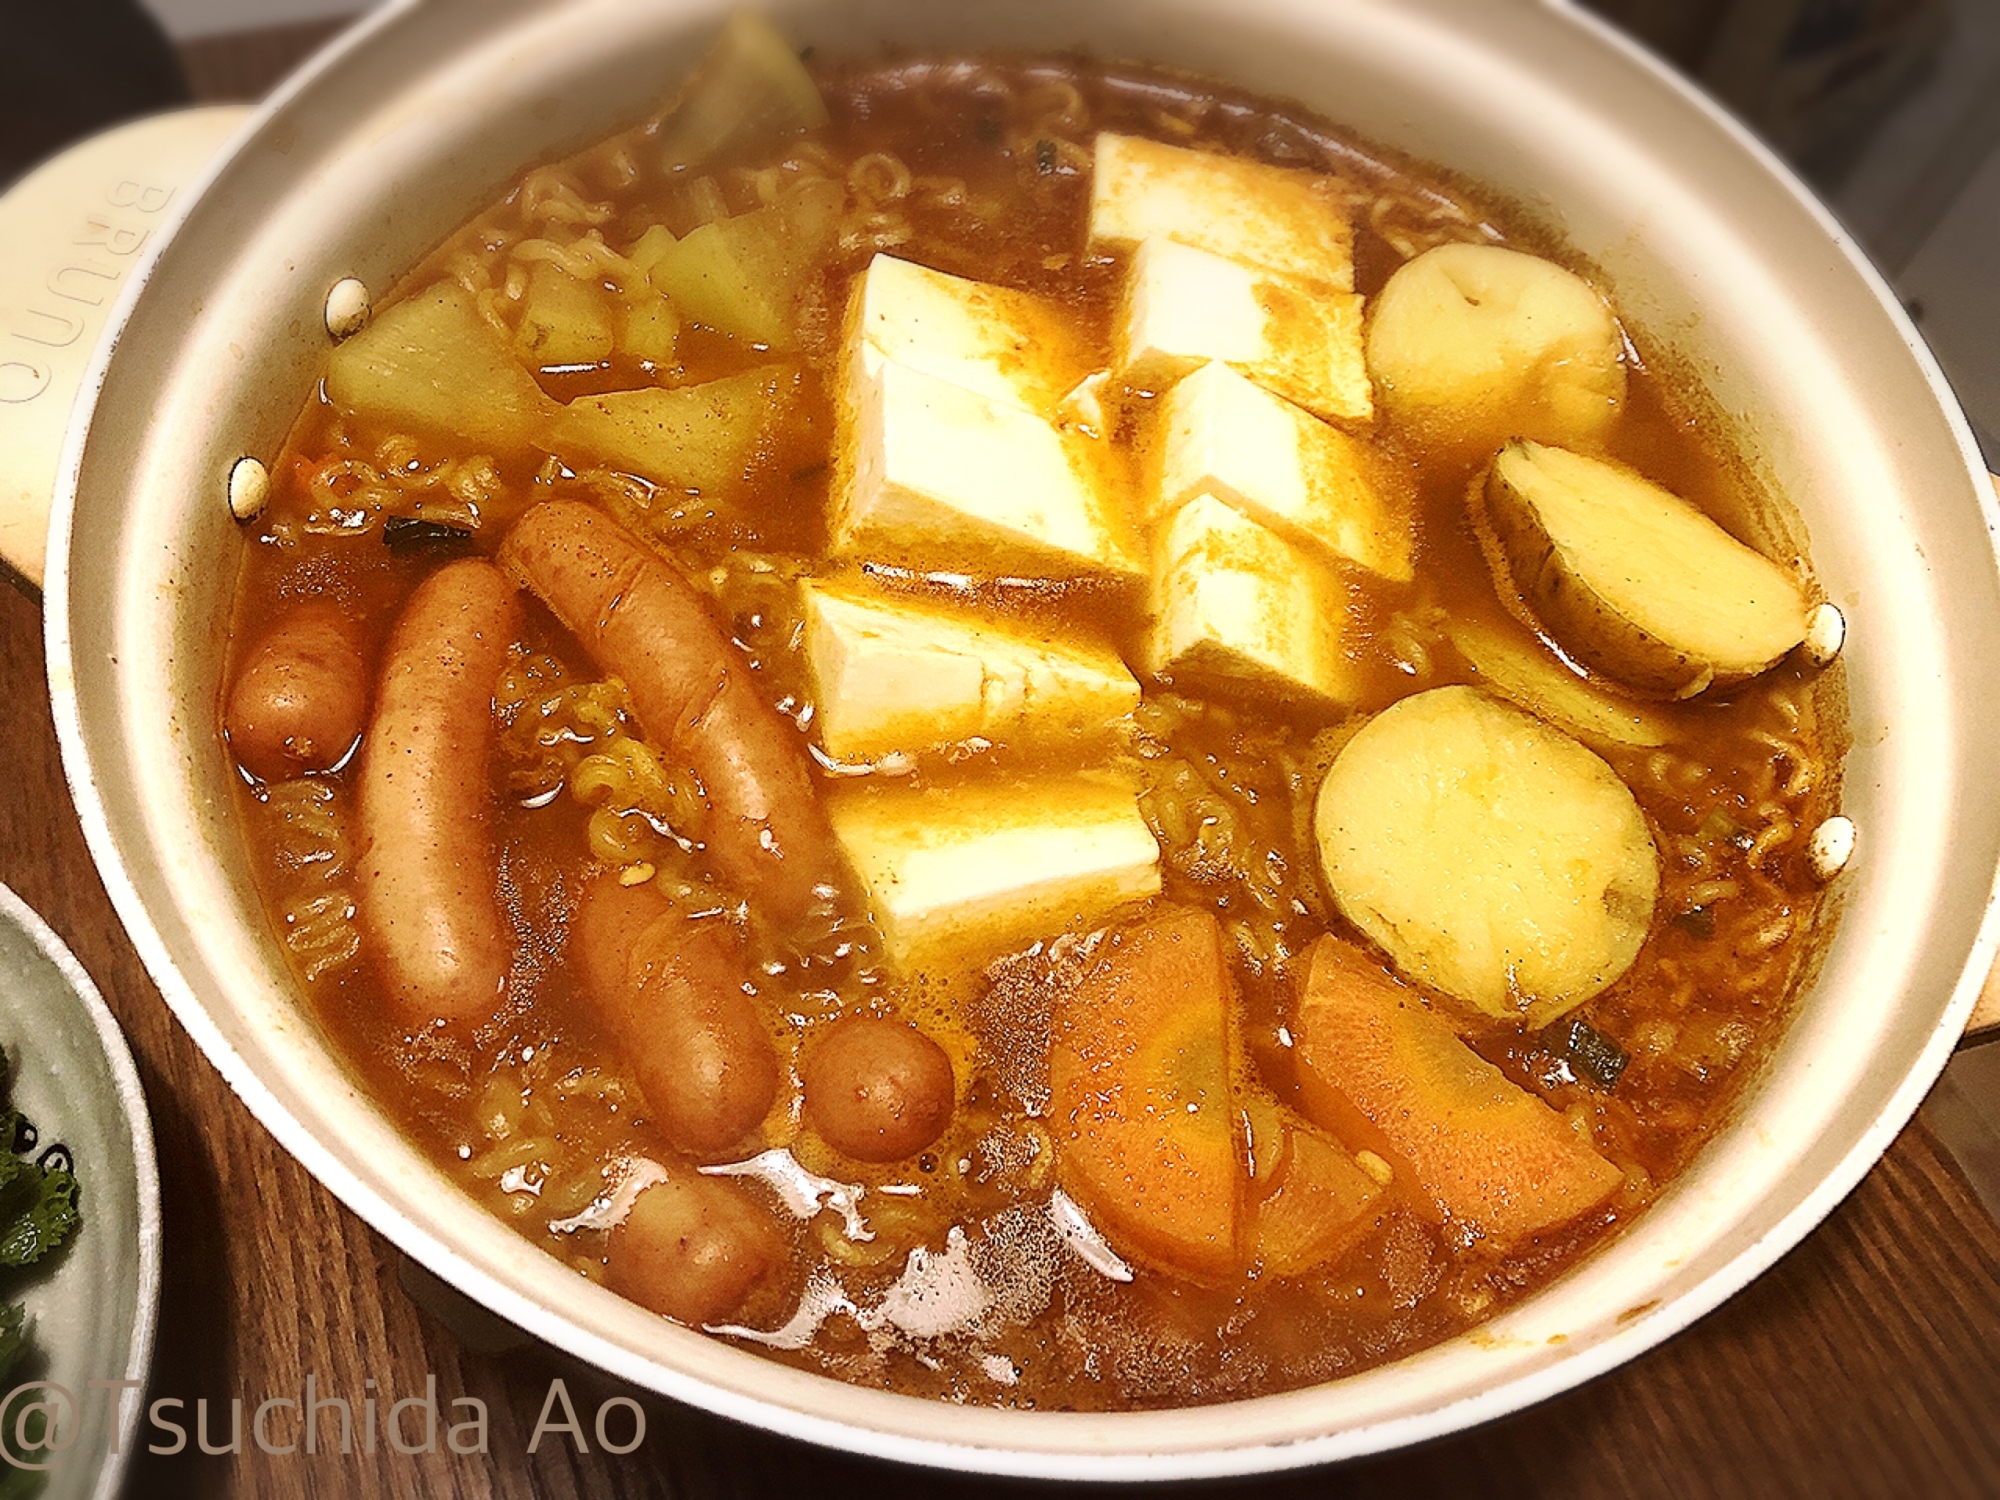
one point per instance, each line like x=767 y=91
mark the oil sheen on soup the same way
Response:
x=1028 y=730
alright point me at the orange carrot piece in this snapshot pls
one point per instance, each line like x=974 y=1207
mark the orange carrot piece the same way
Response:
x=1140 y=1085
x=1491 y=1157
x=1320 y=1204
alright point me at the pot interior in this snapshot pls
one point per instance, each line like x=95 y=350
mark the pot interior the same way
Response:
x=421 y=116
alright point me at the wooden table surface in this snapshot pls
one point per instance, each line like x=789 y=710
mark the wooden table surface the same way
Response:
x=1867 y=1363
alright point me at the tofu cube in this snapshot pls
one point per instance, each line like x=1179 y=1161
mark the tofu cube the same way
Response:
x=965 y=872
x=936 y=476
x=1316 y=486
x=1185 y=307
x=1281 y=219
x=1235 y=606
x=1010 y=345
x=895 y=674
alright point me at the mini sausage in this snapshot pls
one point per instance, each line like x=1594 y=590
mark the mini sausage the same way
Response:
x=643 y=622
x=301 y=695
x=877 y=1089
x=692 y=1248
x=427 y=898
x=671 y=992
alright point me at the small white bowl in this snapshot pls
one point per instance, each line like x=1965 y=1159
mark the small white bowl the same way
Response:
x=94 y=1303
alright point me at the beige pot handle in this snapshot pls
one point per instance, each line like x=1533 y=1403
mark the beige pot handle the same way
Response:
x=70 y=233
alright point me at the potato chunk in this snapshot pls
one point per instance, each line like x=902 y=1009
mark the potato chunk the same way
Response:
x=564 y=321
x=1139 y=1078
x=1494 y=858
x=650 y=329
x=1493 y=1160
x=1631 y=579
x=749 y=93
x=1472 y=345
x=430 y=364
x=1519 y=668
x=697 y=437
x=746 y=275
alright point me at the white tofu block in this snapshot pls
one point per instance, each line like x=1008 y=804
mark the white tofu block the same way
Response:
x=1237 y=607
x=1316 y=486
x=935 y=476
x=1274 y=217
x=894 y=674
x=957 y=874
x=1010 y=345
x=1185 y=307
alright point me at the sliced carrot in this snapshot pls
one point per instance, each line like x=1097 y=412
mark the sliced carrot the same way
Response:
x=1139 y=1070
x=1488 y=1155
x=1321 y=1203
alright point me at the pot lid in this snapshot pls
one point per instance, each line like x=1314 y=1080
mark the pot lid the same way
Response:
x=70 y=232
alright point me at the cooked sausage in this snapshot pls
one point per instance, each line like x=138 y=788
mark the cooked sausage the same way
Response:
x=427 y=902
x=692 y=690
x=301 y=696
x=671 y=992
x=692 y=1248
x=876 y=1089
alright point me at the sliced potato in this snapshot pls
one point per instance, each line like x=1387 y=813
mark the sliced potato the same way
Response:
x=745 y=275
x=1632 y=580
x=1494 y=858
x=651 y=329
x=650 y=246
x=749 y=92
x=1389 y=1074
x=698 y=437
x=1518 y=668
x=432 y=365
x=563 y=321
x=1470 y=345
